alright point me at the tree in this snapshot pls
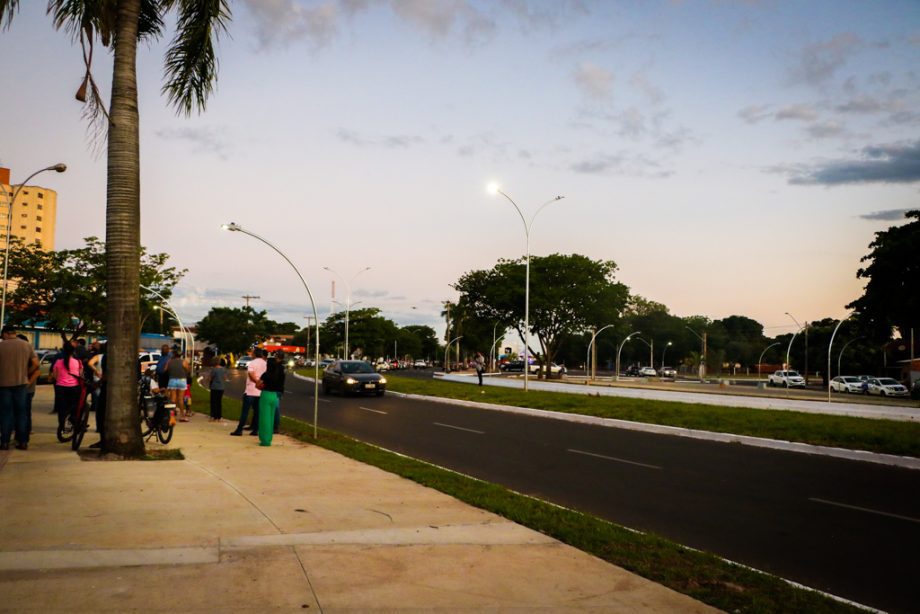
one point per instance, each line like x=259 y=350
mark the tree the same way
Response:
x=428 y=340
x=892 y=294
x=369 y=333
x=64 y=290
x=191 y=69
x=568 y=295
x=234 y=329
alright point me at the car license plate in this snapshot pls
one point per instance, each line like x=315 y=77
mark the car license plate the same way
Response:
x=370 y=386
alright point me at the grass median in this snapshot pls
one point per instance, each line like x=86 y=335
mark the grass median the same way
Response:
x=700 y=575
x=882 y=436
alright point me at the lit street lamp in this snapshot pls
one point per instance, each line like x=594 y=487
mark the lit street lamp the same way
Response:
x=347 y=302
x=495 y=189
x=620 y=349
x=236 y=228
x=60 y=167
x=663 y=352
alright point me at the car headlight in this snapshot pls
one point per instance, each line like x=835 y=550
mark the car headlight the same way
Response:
x=382 y=380
x=351 y=381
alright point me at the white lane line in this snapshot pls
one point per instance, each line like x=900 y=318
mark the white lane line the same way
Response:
x=611 y=458
x=376 y=411
x=864 y=509
x=459 y=428
x=325 y=401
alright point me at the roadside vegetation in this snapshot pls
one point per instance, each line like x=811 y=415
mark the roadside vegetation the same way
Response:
x=700 y=575
x=882 y=436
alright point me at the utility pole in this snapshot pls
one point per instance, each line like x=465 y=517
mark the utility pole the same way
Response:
x=806 y=352
x=248 y=297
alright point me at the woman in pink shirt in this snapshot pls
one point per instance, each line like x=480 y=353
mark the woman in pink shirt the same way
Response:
x=66 y=373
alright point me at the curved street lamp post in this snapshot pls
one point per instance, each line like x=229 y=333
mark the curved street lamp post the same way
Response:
x=60 y=167
x=620 y=349
x=760 y=360
x=663 y=352
x=829 y=346
x=593 y=372
x=495 y=189
x=237 y=228
x=446 y=350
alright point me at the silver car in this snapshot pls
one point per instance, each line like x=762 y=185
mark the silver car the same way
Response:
x=847 y=383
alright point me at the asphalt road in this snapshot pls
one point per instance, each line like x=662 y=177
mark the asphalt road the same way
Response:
x=848 y=528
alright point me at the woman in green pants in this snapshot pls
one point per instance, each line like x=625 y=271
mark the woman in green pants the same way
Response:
x=272 y=385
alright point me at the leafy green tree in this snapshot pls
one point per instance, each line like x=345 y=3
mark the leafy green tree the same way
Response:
x=191 y=70
x=892 y=294
x=66 y=290
x=428 y=340
x=568 y=295
x=369 y=334
x=234 y=329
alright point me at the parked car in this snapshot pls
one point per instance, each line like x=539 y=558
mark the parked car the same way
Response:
x=353 y=376
x=846 y=383
x=887 y=387
x=45 y=361
x=668 y=372
x=648 y=372
x=325 y=362
x=632 y=371
x=512 y=366
x=787 y=379
x=147 y=360
x=382 y=366
x=915 y=389
x=243 y=362
x=420 y=364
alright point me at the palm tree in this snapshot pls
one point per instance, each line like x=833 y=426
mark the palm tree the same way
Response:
x=191 y=70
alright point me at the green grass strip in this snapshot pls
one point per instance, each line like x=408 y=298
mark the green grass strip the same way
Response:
x=700 y=575
x=882 y=436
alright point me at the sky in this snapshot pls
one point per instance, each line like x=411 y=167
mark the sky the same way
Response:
x=732 y=157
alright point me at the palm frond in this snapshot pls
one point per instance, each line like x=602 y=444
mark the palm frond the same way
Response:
x=191 y=63
x=9 y=7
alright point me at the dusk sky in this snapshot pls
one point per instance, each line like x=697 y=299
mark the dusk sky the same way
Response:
x=732 y=157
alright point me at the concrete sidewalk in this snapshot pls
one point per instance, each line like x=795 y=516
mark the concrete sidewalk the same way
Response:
x=238 y=527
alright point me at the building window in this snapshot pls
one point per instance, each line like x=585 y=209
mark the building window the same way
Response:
x=22 y=227
x=38 y=229
x=38 y=218
x=39 y=207
x=25 y=215
x=40 y=195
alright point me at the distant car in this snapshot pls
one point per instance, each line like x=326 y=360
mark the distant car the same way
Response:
x=632 y=371
x=353 y=376
x=668 y=372
x=787 y=379
x=915 y=389
x=847 y=383
x=512 y=366
x=243 y=362
x=648 y=372
x=420 y=364
x=394 y=364
x=325 y=362
x=380 y=367
x=887 y=387
x=45 y=361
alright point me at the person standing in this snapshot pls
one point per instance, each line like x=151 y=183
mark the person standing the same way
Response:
x=217 y=380
x=177 y=381
x=17 y=362
x=30 y=388
x=251 y=394
x=480 y=365
x=97 y=365
x=162 y=376
x=271 y=383
x=66 y=373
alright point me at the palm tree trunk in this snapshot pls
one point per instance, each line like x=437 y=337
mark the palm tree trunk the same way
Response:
x=122 y=254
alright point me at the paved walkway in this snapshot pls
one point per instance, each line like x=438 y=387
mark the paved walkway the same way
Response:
x=238 y=527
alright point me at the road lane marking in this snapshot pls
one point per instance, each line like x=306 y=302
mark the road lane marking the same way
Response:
x=614 y=459
x=325 y=401
x=459 y=428
x=864 y=509
x=376 y=411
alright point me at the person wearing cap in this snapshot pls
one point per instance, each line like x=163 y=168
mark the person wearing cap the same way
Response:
x=17 y=365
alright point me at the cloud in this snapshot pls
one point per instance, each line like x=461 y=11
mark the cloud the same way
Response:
x=594 y=81
x=279 y=22
x=205 y=140
x=621 y=164
x=818 y=62
x=825 y=130
x=755 y=113
x=397 y=141
x=896 y=163
x=797 y=112
x=889 y=215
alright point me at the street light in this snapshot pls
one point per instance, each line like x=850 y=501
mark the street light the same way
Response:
x=703 y=354
x=60 y=167
x=347 y=311
x=590 y=344
x=651 y=350
x=236 y=228
x=446 y=349
x=760 y=360
x=347 y=302
x=185 y=331
x=829 y=346
x=663 y=352
x=806 y=344
x=843 y=349
x=494 y=188
x=620 y=349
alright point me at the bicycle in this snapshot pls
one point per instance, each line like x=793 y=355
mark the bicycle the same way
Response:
x=158 y=417
x=76 y=425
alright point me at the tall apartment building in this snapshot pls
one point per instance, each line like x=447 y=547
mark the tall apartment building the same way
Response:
x=34 y=213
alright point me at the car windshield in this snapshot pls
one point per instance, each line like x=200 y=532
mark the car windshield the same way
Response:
x=851 y=380
x=887 y=381
x=356 y=367
x=792 y=373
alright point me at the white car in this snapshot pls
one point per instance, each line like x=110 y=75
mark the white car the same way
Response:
x=847 y=383
x=147 y=360
x=420 y=364
x=668 y=372
x=648 y=372
x=887 y=387
x=788 y=379
x=243 y=362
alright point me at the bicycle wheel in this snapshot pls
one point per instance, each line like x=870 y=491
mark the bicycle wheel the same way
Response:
x=146 y=418
x=79 y=429
x=165 y=434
